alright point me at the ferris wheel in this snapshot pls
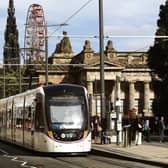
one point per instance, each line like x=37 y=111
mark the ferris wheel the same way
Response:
x=35 y=32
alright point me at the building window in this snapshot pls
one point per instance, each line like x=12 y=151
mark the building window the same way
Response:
x=150 y=104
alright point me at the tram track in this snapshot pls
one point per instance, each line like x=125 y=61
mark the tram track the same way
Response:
x=27 y=159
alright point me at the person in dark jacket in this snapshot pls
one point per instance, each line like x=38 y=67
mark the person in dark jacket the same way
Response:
x=161 y=128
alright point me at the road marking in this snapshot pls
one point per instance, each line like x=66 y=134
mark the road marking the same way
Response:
x=16 y=159
x=1 y=150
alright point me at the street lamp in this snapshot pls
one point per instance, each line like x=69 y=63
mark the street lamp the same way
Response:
x=46 y=57
x=101 y=40
x=118 y=110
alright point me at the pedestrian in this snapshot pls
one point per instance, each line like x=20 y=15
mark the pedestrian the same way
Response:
x=97 y=129
x=92 y=128
x=161 y=129
x=139 y=127
x=146 y=130
x=155 y=125
x=132 y=117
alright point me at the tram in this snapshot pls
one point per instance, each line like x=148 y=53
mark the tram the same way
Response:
x=53 y=118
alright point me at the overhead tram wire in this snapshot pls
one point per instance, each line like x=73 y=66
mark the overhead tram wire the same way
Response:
x=47 y=36
x=111 y=36
x=70 y=17
x=115 y=36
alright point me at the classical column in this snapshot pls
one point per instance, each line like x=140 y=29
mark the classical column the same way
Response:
x=90 y=87
x=131 y=94
x=91 y=101
x=118 y=87
x=146 y=97
x=113 y=94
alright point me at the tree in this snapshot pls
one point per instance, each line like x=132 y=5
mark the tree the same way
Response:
x=158 y=59
x=10 y=81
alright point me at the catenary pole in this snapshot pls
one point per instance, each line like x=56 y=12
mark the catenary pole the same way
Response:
x=101 y=43
x=46 y=59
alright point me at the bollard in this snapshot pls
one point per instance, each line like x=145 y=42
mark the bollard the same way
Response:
x=126 y=137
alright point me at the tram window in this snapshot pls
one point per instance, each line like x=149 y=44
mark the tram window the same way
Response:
x=9 y=115
x=27 y=117
x=39 y=121
x=19 y=117
x=1 y=117
x=18 y=105
x=29 y=114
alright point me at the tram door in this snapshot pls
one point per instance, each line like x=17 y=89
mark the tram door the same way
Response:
x=29 y=120
x=17 y=133
x=9 y=119
x=3 y=119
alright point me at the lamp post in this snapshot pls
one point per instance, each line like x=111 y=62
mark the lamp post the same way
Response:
x=101 y=43
x=46 y=58
x=118 y=111
x=20 y=76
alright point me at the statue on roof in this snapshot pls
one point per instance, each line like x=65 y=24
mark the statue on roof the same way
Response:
x=109 y=46
x=87 y=46
x=64 y=46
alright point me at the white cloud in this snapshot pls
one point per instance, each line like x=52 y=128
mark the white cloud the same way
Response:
x=121 y=17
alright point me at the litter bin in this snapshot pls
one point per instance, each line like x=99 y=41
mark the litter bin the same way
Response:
x=126 y=135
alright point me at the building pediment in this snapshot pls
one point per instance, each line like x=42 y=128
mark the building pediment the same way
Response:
x=107 y=65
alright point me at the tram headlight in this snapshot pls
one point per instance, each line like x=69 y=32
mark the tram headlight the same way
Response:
x=50 y=134
x=85 y=133
x=63 y=135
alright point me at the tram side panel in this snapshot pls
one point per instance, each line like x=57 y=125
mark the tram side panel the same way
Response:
x=3 y=119
x=18 y=111
x=29 y=119
x=9 y=119
x=25 y=126
x=40 y=124
x=34 y=121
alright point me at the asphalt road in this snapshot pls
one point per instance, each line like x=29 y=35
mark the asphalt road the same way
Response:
x=15 y=157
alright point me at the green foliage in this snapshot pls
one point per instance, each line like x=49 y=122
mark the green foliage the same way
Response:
x=10 y=81
x=158 y=59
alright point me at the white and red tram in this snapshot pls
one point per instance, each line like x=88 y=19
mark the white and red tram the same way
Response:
x=53 y=118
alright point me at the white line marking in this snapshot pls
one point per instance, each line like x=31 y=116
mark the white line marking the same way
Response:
x=15 y=159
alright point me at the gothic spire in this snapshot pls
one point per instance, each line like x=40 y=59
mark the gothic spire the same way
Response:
x=11 y=46
x=11 y=4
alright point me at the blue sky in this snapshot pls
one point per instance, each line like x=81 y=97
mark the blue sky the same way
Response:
x=121 y=18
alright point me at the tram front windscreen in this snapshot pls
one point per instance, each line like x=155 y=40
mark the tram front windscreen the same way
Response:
x=66 y=112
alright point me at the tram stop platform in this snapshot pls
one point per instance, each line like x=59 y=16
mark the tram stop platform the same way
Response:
x=152 y=153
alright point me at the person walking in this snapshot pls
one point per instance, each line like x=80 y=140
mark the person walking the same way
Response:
x=97 y=129
x=146 y=130
x=161 y=129
x=138 y=137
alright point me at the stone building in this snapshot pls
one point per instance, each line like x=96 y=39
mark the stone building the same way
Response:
x=126 y=75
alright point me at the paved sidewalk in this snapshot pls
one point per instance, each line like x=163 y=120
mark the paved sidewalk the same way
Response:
x=152 y=152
